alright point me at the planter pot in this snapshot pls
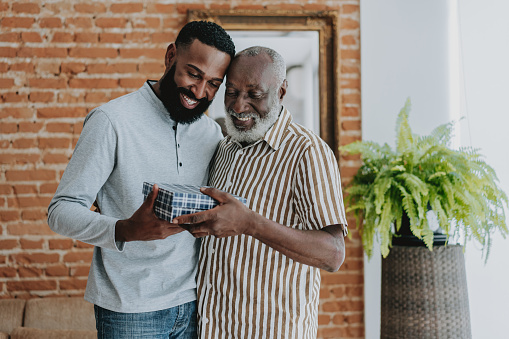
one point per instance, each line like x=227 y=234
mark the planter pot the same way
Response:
x=424 y=293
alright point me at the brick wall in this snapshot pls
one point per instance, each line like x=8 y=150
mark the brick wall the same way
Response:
x=58 y=60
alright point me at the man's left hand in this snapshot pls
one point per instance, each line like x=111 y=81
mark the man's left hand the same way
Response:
x=231 y=217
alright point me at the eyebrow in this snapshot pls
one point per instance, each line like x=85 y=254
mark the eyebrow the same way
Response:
x=229 y=84
x=202 y=72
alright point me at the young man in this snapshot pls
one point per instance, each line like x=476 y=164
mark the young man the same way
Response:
x=142 y=277
x=259 y=274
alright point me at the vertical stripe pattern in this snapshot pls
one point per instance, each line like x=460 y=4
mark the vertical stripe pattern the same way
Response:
x=245 y=288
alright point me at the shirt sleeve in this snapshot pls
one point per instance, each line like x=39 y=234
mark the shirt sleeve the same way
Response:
x=91 y=164
x=318 y=195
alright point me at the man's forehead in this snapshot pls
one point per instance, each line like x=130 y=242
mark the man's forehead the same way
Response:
x=255 y=70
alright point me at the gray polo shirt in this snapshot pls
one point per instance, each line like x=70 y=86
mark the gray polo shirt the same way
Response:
x=125 y=142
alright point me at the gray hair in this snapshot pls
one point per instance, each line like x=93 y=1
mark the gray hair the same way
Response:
x=278 y=62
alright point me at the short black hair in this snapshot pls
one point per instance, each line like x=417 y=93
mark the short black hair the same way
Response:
x=208 y=33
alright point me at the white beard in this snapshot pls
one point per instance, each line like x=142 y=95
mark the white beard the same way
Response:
x=260 y=127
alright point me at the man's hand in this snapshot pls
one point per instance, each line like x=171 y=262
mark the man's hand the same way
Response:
x=227 y=219
x=143 y=225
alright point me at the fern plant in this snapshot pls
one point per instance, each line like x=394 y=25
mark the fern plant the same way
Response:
x=422 y=173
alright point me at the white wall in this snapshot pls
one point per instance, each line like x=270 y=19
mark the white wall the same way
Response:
x=408 y=50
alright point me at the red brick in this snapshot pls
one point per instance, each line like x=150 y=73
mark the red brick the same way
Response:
x=29 y=229
x=52 y=83
x=73 y=67
x=9 y=215
x=31 y=37
x=8 y=272
x=284 y=6
x=49 y=188
x=80 y=271
x=62 y=37
x=50 y=67
x=19 y=158
x=8 y=52
x=182 y=8
x=52 y=158
x=25 y=188
x=80 y=244
x=26 y=67
x=60 y=244
x=115 y=38
x=17 y=22
x=24 y=143
x=146 y=23
x=29 y=272
x=61 y=112
x=110 y=22
x=71 y=97
x=59 y=127
x=349 y=125
x=80 y=52
x=45 y=52
x=81 y=256
x=79 y=22
x=94 y=7
x=159 y=8
x=26 y=7
x=6 y=189
x=35 y=201
x=50 y=22
x=8 y=244
x=323 y=319
x=35 y=258
x=93 y=83
x=41 y=96
x=29 y=175
x=8 y=127
x=34 y=215
x=351 y=98
x=98 y=97
x=73 y=284
x=350 y=54
x=348 y=9
x=6 y=83
x=151 y=67
x=31 y=285
x=10 y=37
x=86 y=37
x=57 y=271
x=138 y=37
x=45 y=143
x=14 y=97
x=348 y=40
x=130 y=7
x=132 y=83
x=350 y=111
x=123 y=67
x=154 y=53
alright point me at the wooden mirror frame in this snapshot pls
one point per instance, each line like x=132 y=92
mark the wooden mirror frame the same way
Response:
x=327 y=25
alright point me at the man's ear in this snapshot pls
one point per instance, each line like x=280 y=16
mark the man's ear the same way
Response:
x=171 y=53
x=282 y=90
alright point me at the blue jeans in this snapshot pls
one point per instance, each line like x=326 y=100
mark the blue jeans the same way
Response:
x=176 y=322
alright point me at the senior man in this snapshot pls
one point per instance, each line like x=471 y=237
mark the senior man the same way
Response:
x=259 y=267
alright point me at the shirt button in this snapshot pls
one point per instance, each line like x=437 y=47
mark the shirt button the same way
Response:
x=174 y=128
x=209 y=285
x=178 y=145
x=205 y=320
x=180 y=164
x=241 y=152
x=228 y=184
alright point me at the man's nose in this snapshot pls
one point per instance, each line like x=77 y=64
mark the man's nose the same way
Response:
x=240 y=105
x=200 y=90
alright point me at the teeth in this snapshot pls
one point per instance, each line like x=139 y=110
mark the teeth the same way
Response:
x=243 y=119
x=188 y=100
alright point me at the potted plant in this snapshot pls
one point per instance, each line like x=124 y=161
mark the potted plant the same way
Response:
x=396 y=188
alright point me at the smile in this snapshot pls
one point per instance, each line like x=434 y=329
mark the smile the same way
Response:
x=188 y=102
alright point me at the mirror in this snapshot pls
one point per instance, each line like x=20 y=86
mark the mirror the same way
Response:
x=312 y=68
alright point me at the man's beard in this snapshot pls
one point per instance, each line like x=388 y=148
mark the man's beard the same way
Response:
x=170 y=96
x=260 y=127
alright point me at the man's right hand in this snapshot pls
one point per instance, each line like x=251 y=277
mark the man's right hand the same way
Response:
x=143 y=225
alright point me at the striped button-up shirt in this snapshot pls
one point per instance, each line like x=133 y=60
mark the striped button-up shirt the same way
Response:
x=246 y=289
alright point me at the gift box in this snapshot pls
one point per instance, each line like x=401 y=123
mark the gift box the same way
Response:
x=175 y=200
